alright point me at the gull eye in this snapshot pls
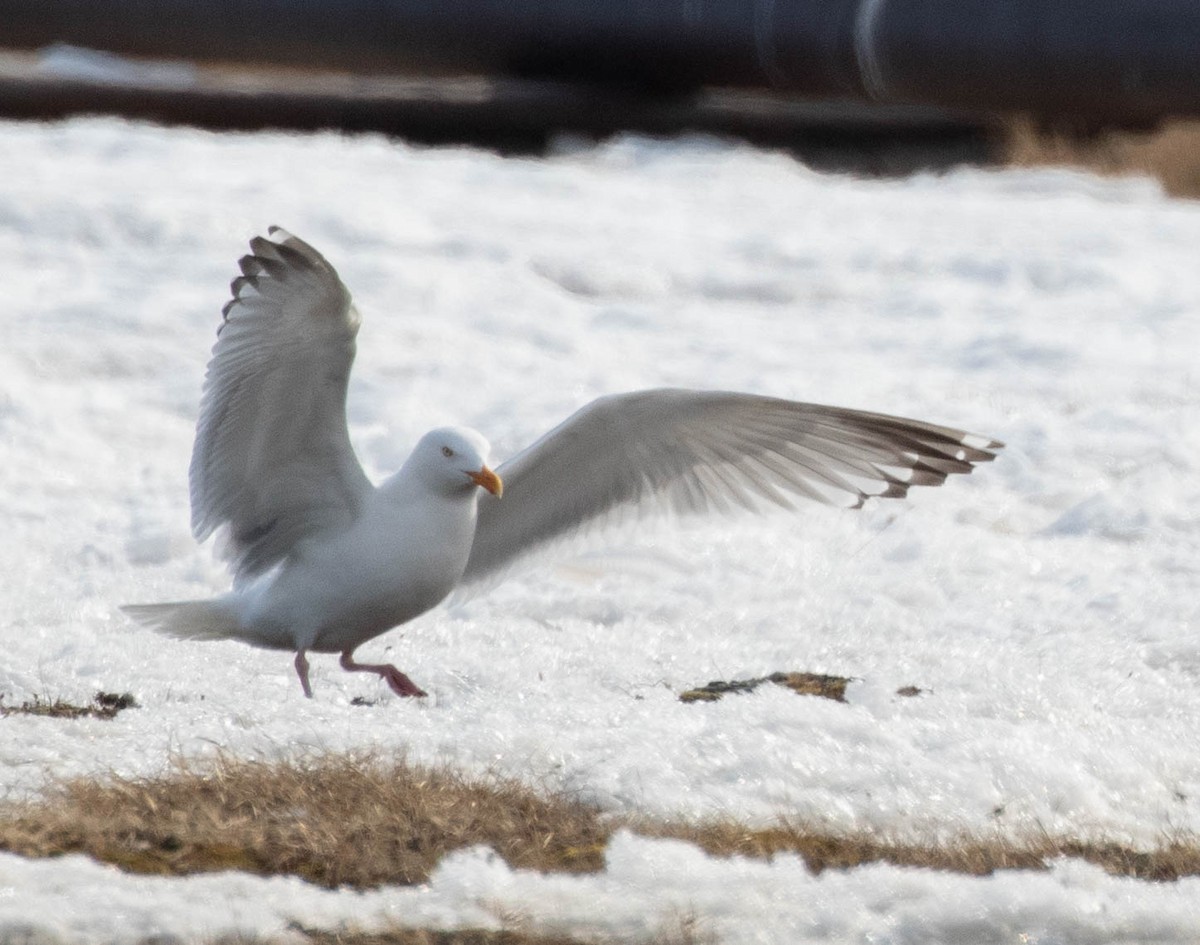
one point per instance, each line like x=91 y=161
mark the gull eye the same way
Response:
x=447 y=452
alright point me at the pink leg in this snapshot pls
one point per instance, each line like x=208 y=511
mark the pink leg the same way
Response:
x=401 y=684
x=302 y=672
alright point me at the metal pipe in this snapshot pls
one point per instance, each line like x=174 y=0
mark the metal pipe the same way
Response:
x=1121 y=60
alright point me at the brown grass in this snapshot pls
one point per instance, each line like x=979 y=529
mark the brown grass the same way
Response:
x=104 y=705
x=425 y=937
x=805 y=684
x=435 y=937
x=975 y=856
x=1170 y=153
x=335 y=821
x=417 y=937
x=361 y=822
x=685 y=932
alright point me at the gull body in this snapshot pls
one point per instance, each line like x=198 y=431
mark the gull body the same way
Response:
x=402 y=556
x=323 y=560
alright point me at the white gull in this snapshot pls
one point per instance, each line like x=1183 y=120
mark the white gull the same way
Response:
x=323 y=560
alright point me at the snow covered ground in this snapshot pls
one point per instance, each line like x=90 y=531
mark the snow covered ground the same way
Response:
x=1046 y=605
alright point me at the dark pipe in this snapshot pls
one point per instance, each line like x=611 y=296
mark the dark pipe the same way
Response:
x=1128 y=60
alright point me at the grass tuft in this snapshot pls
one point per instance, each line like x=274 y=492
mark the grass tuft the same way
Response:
x=339 y=820
x=436 y=937
x=1170 y=152
x=685 y=931
x=805 y=684
x=104 y=705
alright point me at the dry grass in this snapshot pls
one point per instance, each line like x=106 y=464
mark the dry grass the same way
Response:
x=805 y=684
x=430 y=937
x=1170 y=153
x=975 y=856
x=685 y=932
x=361 y=822
x=335 y=821
x=416 y=937
x=104 y=705
x=436 y=937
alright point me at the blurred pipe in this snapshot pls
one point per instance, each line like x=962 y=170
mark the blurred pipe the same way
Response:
x=1103 y=60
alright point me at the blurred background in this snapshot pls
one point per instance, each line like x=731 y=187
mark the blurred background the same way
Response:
x=879 y=87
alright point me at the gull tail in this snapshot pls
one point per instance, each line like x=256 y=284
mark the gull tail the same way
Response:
x=189 y=619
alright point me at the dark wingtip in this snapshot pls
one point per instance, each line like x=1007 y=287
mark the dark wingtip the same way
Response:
x=894 y=490
x=241 y=282
x=260 y=245
x=981 y=444
x=252 y=265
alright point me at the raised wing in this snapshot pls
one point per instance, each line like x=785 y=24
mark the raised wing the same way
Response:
x=690 y=452
x=272 y=458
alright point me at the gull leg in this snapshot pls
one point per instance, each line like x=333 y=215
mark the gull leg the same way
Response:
x=302 y=672
x=400 y=683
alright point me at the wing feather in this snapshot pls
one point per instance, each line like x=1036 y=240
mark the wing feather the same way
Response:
x=272 y=459
x=690 y=452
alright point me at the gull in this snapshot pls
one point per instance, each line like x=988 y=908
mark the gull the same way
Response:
x=323 y=560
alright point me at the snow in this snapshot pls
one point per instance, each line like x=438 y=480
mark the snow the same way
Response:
x=1045 y=606
x=649 y=887
x=76 y=63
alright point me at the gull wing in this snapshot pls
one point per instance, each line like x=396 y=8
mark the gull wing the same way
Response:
x=272 y=459
x=689 y=452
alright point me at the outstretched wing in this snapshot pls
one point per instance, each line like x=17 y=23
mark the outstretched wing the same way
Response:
x=690 y=452
x=272 y=458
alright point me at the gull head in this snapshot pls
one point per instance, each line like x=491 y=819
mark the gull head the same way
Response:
x=454 y=460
